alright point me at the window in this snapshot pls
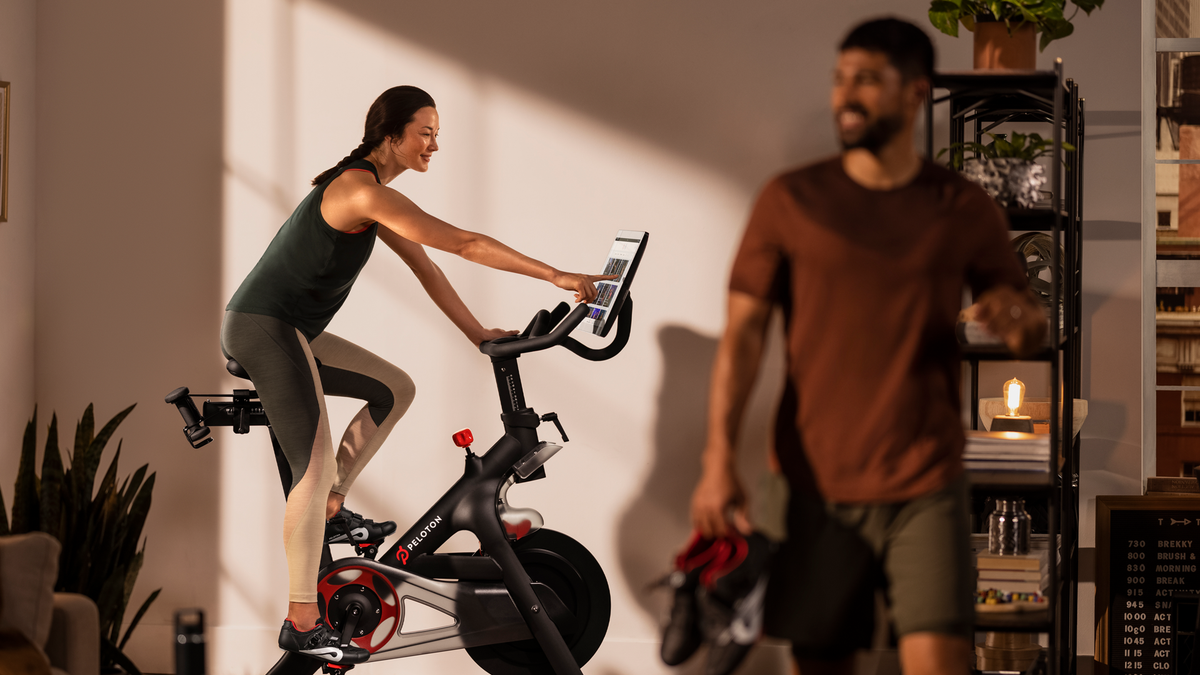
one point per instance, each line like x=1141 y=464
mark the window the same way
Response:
x=1172 y=233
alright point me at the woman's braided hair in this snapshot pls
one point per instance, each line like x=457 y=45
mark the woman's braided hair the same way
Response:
x=388 y=116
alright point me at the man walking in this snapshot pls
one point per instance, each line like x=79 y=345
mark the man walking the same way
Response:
x=867 y=253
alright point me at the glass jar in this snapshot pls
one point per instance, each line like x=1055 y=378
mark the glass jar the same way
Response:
x=1009 y=527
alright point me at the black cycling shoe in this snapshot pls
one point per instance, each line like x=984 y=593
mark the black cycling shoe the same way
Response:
x=320 y=643
x=681 y=635
x=348 y=527
x=730 y=601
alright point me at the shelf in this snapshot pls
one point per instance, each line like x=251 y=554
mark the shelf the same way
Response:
x=978 y=352
x=1016 y=480
x=999 y=353
x=982 y=101
x=1033 y=220
x=1037 y=621
x=983 y=82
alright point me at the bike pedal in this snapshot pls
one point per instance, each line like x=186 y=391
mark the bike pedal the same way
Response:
x=368 y=550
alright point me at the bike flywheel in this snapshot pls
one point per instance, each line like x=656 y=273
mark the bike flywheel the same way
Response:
x=567 y=568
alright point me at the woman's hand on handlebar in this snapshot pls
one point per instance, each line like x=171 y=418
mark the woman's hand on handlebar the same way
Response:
x=584 y=285
x=489 y=334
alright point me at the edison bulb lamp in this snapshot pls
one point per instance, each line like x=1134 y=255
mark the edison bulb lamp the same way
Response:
x=1014 y=396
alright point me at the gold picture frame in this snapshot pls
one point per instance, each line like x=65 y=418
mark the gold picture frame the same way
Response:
x=5 y=104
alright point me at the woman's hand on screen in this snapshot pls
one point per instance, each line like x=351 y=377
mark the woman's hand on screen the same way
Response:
x=584 y=285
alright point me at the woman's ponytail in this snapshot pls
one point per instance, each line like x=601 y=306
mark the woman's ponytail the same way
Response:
x=388 y=116
x=358 y=153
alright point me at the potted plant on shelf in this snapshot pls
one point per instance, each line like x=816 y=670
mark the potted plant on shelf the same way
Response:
x=99 y=534
x=1006 y=167
x=1006 y=30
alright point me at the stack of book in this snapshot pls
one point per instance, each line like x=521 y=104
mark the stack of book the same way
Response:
x=1009 y=573
x=1007 y=451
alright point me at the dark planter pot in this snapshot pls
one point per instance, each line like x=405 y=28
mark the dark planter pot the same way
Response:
x=996 y=49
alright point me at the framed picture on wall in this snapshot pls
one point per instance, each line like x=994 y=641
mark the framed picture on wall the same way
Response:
x=4 y=106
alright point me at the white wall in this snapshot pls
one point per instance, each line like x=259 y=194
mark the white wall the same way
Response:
x=173 y=140
x=17 y=236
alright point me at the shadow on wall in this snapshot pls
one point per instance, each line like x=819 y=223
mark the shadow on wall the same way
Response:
x=657 y=524
x=1107 y=362
x=679 y=88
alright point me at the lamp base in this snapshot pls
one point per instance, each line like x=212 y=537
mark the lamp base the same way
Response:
x=1022 y=423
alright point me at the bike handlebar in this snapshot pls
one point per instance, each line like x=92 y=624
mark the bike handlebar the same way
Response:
x=512 y=347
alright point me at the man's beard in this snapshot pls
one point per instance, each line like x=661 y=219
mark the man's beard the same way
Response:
x=876 y=134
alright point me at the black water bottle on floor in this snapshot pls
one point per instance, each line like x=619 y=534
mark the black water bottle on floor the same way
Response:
x=189 y=642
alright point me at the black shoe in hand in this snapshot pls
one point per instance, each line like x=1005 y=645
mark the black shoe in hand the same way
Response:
x=730 y=601
x=681 y=636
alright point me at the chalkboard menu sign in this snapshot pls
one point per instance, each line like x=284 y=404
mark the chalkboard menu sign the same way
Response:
x=1146 y=550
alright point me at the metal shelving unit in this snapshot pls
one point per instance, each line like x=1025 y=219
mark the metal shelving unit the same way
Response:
x=979 y=102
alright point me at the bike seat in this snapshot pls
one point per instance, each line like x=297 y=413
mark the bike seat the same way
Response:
x=236 y=369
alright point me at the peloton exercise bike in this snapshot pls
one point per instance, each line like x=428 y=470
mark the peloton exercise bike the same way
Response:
x=531 y=601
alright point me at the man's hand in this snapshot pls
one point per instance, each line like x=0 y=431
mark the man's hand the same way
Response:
x=1012 y=315
x=718 y=492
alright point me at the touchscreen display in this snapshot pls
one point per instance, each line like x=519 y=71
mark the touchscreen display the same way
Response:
x=623 y=259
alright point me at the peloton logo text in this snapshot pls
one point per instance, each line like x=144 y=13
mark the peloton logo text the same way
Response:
x=425 y=532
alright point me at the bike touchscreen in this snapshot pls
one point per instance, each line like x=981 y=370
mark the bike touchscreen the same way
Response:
x=623 y=261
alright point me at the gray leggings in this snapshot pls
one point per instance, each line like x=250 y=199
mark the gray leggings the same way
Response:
x=282 y=364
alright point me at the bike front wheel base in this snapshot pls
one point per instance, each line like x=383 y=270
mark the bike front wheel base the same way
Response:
x=567 y=568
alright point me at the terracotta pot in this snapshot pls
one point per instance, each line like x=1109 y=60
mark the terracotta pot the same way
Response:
x=995 y=49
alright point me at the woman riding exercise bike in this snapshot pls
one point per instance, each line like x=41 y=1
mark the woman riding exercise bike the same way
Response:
x=275 y=328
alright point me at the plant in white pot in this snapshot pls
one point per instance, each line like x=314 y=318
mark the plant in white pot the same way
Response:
x=1006 y=167
x=1006 y=30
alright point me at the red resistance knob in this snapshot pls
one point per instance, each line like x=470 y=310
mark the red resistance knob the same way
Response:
x=463 y=439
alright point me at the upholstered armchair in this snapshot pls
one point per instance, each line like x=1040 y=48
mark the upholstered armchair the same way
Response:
x=42 y=631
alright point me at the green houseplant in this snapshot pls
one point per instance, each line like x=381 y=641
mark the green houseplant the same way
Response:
x=1027 y=147
x=99 y=533
x=1048 y=17
x=1006 y=167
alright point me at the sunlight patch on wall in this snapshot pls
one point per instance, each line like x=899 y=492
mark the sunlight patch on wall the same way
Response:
x=541 y=177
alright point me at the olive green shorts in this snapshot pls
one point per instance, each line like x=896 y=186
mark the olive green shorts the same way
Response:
x=837 y=556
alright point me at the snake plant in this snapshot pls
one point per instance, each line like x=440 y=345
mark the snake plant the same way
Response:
x=99 y=527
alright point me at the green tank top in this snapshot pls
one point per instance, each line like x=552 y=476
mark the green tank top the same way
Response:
x=308 y=269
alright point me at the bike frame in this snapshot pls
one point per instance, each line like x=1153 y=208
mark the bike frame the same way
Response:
x=464 y=587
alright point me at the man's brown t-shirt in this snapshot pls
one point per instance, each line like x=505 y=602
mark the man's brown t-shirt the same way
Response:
x=871 y=283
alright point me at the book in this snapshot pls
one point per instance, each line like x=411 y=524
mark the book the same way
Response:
x=1007 y=443
x=1009 y=586
x=1009 y=575
x=1172 y=484
x=1008 y=562
x=1006 y=465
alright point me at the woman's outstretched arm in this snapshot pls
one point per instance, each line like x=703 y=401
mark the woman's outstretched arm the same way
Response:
x=439 y=289
x=365 y=201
